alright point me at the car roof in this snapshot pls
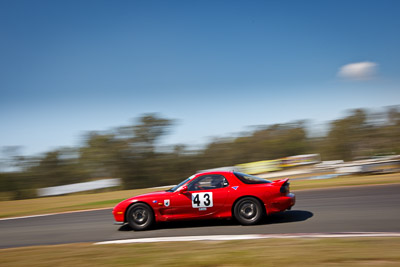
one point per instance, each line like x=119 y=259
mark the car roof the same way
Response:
x=214 y=172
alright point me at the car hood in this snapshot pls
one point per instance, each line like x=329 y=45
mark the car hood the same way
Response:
x=154 y=195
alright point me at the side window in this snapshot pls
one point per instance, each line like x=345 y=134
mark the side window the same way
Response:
x=208 y=182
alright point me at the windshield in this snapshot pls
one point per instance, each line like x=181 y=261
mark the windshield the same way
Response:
x=173 y=189
x=250 y=179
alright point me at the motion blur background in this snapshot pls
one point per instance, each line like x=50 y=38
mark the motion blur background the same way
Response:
x=153 y=91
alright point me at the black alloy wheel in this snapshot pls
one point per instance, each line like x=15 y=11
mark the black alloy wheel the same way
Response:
x=248 y=211
x=140 y=216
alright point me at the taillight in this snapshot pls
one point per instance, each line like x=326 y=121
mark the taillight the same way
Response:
x=285 y=188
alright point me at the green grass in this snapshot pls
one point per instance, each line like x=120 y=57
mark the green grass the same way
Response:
x=98 y=203
x=109 y=199
x=266 y=252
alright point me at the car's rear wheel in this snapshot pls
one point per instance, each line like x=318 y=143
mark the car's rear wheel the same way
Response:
x=140 y=216
x=248 y=211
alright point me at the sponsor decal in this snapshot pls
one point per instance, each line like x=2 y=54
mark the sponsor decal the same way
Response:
x=235 y=187
x=166 y=202
x=200 y=209
x=154 y=201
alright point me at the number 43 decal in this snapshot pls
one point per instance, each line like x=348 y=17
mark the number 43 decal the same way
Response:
x=202 y=200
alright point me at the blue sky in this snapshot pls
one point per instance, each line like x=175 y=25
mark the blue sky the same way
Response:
x=68 y=67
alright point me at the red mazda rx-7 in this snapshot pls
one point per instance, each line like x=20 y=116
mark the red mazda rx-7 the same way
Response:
x=208 y=195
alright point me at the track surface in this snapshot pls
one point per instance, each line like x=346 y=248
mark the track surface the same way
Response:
x=355 y=209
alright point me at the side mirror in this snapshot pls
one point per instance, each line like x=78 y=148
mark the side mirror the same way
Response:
x=184 y=189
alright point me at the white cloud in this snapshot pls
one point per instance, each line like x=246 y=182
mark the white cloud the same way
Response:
x=358 y=71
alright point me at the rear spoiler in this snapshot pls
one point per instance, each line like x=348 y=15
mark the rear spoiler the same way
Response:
x=280 y=182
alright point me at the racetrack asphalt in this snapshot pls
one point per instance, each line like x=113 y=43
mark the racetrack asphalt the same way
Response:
x=350 y=209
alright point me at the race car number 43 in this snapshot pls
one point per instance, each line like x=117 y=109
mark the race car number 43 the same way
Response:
x=202 y=200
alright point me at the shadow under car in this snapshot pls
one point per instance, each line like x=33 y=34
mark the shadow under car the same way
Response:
x=289 y=216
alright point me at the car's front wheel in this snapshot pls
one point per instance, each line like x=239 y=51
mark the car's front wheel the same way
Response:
x=248 y=211
x=140 y=216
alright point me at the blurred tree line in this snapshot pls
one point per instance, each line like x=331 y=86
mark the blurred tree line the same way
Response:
x=133 y=152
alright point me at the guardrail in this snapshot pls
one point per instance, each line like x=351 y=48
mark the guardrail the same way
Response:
x=78 y=187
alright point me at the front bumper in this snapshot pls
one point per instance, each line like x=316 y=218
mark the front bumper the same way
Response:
x=119 y=216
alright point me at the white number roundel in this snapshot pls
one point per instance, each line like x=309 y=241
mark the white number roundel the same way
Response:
x=202 y=200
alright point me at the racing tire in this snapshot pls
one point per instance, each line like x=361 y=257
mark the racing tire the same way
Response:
x=248 y=211
x=140 y=217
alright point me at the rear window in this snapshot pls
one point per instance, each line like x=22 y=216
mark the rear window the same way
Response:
x=250 y=179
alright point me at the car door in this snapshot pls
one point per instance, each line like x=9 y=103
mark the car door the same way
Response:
x=206 y=196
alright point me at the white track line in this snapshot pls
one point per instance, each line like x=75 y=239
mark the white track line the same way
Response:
x=246 y=237
x=50 y=214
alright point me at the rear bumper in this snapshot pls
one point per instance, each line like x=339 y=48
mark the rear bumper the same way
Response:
x=292 y=199
x=281 y=203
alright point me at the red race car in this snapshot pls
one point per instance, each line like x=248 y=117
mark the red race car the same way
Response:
x=206 y=196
